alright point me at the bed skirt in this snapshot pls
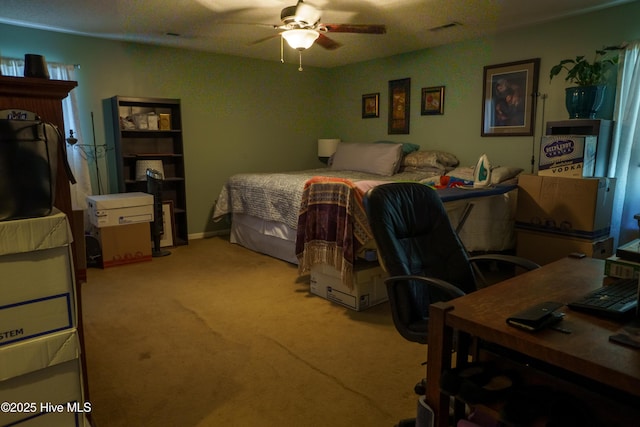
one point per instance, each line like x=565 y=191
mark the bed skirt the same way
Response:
x=268 y=237
x=489 y=228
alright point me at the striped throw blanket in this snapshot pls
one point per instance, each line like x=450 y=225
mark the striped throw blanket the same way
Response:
x=332 y=225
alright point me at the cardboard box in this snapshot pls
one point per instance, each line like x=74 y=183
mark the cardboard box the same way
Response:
x=164 y=121
x=36 y=266
x=109 y=210
x=43 y=371
x=544 y=248
x=579 y=208
x=124 y=244
x=567 y=155
x=621 y=268
x=368 y=286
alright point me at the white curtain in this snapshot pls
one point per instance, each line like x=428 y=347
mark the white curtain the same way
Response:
x=625 y=152
x=76 y=155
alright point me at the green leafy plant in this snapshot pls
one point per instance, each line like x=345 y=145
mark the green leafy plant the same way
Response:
x=581 y=72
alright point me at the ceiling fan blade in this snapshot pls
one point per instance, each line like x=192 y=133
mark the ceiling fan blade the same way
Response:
x=327 y=43
x=264 y=39
x=356 y=28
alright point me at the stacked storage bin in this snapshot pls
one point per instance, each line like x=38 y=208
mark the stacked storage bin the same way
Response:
x=40 y=370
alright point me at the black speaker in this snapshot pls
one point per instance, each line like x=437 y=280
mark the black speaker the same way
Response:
x=94 y=252
x=154 y=187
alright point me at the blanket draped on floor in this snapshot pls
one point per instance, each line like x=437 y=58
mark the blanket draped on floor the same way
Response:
x=332 y=226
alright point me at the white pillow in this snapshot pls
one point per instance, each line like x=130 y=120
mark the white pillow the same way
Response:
x=380 y=159
x=504 y=173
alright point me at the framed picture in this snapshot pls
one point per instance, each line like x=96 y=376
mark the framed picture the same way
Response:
x=168 y=224
x=399 y=102
x=508 y=98
x=370 y=105
x=432 y=100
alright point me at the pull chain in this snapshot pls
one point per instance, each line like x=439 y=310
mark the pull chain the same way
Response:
x=300 y=55
x=282 y=49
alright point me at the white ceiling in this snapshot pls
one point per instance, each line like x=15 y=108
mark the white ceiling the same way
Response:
x=231 y=26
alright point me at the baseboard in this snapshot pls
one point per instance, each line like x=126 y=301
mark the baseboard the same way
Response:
x=208 y=234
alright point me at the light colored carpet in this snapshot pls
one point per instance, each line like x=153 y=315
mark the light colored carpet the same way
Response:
x=217 y=335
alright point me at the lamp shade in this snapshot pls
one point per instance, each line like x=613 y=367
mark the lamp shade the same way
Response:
x=143 y=165
x=300 y=39
x=326 y=147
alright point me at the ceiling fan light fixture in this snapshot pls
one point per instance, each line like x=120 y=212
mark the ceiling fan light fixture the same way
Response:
x=300 y=39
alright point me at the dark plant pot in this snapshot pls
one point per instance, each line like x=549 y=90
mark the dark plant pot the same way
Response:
x=583 y=102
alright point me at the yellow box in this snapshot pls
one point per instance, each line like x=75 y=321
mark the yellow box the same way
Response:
x=165 y=121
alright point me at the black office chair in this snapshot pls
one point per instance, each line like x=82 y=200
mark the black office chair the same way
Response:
x=421 y=252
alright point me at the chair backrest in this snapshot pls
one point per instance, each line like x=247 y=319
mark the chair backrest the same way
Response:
x=414 y=237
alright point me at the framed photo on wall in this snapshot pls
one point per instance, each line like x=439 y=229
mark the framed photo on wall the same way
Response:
x=399 y=102
x=432 y=100
x=168 y=237
x=370 y=105
x=508 y=98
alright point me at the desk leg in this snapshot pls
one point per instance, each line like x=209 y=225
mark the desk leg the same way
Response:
x=439 y=351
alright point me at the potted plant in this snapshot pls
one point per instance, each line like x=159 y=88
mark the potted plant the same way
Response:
x=585 y=98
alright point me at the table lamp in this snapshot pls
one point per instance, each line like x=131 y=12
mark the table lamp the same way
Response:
x=326 y=148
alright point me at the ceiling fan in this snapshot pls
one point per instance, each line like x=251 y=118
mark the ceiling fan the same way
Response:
x=301 y=28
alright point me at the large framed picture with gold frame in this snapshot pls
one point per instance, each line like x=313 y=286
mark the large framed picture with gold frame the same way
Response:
x=508 y=98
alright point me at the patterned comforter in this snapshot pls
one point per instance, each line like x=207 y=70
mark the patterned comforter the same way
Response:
x=277 y=196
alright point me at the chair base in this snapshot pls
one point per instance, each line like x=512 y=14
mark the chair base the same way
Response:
x=409 y=422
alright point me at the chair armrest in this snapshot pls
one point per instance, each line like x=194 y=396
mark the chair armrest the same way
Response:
x=510 y=259
x=448 y=288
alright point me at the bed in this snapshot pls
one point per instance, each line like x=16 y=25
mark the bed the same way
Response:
x=269 y=212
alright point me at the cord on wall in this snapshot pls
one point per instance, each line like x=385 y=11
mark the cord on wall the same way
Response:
x=93 y=129
x=544 y=97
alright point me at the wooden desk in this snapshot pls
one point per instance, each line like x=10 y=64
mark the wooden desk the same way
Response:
x=586 y=352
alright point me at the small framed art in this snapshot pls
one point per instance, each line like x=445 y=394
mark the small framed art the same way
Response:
x=432 y=100
x=370 y=105
x=508 y=98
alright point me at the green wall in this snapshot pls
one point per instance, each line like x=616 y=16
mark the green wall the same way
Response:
x=459 y=68
x=238 y=114
x=247 y=115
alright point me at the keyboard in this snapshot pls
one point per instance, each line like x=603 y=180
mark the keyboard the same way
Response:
x=615 y=300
